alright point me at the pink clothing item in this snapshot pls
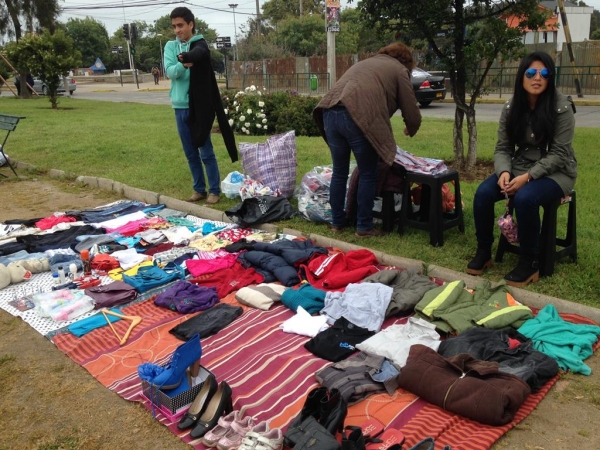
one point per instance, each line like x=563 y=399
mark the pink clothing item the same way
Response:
x=48 y=222
x=198 y=267
x=128 y=227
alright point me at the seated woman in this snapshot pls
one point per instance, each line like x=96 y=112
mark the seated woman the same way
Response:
x=534 y=164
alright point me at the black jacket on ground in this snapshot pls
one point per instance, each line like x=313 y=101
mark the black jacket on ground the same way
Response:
x=520 y=358
x=205 y=99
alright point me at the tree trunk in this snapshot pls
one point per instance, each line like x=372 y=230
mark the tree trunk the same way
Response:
x=472 y=130
x=458 y=137
x=13 y=12
x=25 y=92
x=53 y=99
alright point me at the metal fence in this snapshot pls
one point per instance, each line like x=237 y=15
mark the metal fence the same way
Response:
x=501 y=81
x=301 y=83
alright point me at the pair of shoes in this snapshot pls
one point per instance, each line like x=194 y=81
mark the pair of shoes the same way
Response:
x=196 y=196
x=335 y=229
x=233 y=437
x=199 y=404
x=328 y=407
x=260 y=437
x=220 y=403
x=373 y=232
x=481 y=261
x=527 y=271
x=213 y=199
x=212 y=437
x=185 y=356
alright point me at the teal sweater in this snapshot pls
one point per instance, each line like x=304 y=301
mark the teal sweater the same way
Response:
x=178 y=73
x=568 y=343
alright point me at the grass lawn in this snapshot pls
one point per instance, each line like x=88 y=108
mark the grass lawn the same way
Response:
x=138 y=145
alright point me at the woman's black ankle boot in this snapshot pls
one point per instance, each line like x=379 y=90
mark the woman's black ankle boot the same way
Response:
x=312 y=407
x=333 y=410
x=527 y=271
x=353 y=439
x=481 y=261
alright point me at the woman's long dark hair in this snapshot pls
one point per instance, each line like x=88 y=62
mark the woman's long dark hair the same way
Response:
x=543 y=118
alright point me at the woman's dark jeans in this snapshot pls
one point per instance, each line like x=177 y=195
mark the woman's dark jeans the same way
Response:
x=344 y=137
x=527 y=202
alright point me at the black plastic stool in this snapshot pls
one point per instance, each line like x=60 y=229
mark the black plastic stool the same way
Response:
x=388 y=211
x=548 y=240
x=431 y=215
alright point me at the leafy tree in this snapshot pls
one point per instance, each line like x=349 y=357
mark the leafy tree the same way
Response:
x=20 y=16
x=476 y=35
x=163 y=26
x=252 y=49
x=274 y=11
x=90 y=38
x=49 y=55
x=302 y=36
x=595 y=25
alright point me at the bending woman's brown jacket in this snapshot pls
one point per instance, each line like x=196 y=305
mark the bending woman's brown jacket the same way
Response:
x=372 y=90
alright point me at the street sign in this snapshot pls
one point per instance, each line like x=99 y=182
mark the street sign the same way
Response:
x=224 y=39
x=114 y=49
x=223 y=44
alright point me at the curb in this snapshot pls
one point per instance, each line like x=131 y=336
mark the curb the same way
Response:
x=528 y=298
x=501 y=101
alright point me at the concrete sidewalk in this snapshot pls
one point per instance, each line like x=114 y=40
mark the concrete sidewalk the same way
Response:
x=165 y=85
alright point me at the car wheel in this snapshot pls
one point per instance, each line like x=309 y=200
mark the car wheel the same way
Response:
x=425 y=103
x=45 y=90
x=71 y=92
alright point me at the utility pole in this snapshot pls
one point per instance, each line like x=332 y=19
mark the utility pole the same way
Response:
x=233 y=6
x=563 y=17
x=257 y=19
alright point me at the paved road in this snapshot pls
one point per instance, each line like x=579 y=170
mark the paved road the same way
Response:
x=587 y=116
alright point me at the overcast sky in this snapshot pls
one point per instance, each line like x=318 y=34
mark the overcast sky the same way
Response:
x=216 y=13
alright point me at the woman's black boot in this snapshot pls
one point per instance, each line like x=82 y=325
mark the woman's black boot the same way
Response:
x=333 y=412
x=527 y=271
x=311 y=407
x=481 y=261
x=353 y=439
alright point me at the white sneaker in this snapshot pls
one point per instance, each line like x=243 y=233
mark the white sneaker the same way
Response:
x=262 y=438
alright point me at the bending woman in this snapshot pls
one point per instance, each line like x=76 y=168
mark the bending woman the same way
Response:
x=354 y=117
x=534 y=163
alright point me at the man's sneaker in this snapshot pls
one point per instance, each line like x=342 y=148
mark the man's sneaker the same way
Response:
x=213 y=199
x=196 y=196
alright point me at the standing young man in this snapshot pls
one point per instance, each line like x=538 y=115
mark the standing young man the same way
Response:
x=196 y=100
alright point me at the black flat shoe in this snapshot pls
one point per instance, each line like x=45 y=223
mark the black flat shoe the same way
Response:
x=199 y=404
x=219 y=404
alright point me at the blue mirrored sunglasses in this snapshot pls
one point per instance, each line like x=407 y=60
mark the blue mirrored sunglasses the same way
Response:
x=544 y=73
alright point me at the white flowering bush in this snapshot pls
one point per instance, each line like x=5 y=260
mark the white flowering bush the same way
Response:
x=246 y=112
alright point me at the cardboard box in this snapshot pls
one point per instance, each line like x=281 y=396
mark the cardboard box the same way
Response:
x=174 y=402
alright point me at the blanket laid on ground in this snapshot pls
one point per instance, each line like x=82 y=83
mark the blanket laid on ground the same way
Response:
x=270 y=378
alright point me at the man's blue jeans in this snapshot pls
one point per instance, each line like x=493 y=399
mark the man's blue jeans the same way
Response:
x=527 y=202
x=198 y=155
x=344 y=137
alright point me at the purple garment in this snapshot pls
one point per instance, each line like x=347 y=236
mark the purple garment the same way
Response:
x=186 y=297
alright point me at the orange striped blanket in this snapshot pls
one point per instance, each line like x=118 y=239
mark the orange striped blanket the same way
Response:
x=270 y=373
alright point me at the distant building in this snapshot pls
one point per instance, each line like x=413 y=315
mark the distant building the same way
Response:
x=98 y=68
x=578 y=17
